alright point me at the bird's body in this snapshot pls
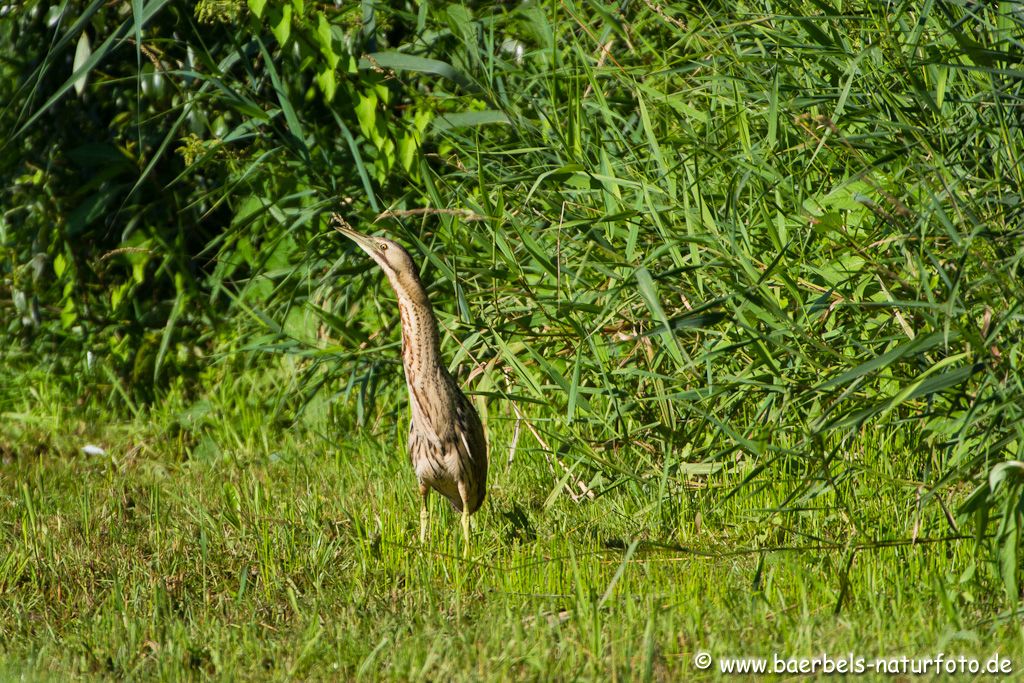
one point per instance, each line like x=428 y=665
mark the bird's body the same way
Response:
x=447 y=446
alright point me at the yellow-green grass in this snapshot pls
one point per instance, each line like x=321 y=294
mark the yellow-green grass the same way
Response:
x=299 y=558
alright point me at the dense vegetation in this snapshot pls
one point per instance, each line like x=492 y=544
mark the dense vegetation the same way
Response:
x=723 y=276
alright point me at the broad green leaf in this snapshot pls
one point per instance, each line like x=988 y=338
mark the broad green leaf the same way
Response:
x=407 y=148
x=325 y=39
x=327 y=82
x=60 y=264
x=281 y=24
x=366 y=113
x=257 y=7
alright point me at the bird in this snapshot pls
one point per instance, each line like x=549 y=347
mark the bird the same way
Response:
x=447 y=444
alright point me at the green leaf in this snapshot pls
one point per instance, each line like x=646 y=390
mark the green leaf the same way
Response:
x=407 y=148
x=1008 y=542
x=325 y=39
x=1003 y=470
x=60 y=264
x=93 y=207
x=282 y=97
x=118 y=294
x=468 y=119
x=911 y=348
x=357 y=156
x=649 y=293
x=82 y=54
x=281 y=24
x=68 y=314
x=327 y=82
x=172 y=321
x=257 y=7
x=366 y=114
x=399 y=61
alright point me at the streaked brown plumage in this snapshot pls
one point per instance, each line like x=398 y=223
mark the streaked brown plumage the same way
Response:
x=447 y=446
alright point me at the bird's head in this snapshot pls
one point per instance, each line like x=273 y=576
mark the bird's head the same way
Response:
x=393 y=259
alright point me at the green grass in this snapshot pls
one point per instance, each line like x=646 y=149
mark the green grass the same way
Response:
x=296 y=557
x=750 y=274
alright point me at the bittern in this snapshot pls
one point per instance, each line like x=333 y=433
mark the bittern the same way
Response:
x=447 y=446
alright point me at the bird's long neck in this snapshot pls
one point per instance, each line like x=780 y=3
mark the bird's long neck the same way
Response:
x=421 y=344
x=432 y=390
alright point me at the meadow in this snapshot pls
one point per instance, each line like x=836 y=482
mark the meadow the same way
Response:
x=287 y=557
x=736 y=289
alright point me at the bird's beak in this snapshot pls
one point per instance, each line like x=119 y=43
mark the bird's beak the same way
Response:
x=364 y=243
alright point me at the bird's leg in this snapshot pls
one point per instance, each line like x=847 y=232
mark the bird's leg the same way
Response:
x=424 y=515
x=464 y=494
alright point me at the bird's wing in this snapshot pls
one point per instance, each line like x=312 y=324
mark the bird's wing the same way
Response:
x=471 y=431
x=421 y=418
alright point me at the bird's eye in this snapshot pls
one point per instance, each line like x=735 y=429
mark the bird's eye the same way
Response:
x=383 y=246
